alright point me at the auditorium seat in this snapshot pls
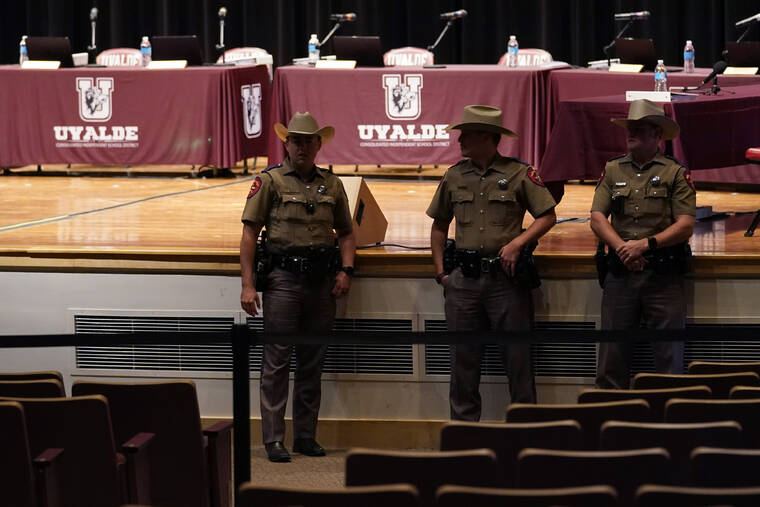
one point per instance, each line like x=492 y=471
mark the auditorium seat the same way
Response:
x=32 y=389
x=589 y=415
x=744 y=393
x=678 y=439
x=529 y=57
x=408 y=57
x=31 y=375
x=508 y=439
x=655 y=397
x=753 y=155
x=720 y=384
x=714 y=367
x=582 y=496
x=725 y=468
x=92 y=472
x=650 y=495
x=183 y=473
x=25 y=482
x=425 y=470
x=745 y=412
x=245 y=53
x=396 y=495
x=623 y=470
x=120 y=57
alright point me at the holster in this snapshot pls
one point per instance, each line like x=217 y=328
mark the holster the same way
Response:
x=263 y=263
x=526 y=274
x=449 y=255
x=602 y=266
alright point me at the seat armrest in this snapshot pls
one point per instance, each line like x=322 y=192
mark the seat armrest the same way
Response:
x=137 y=470
x=47 y=476
x=219 y=461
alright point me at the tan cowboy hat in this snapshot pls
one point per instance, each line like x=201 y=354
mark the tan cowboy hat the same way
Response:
x=304 y=124
x=648 y=111
x=484 y=118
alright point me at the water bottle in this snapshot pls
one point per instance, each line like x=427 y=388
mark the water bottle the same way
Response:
x=22 y=54
x=512 y=48
x=660 y=77
x=313 y=49
x=688 y=57
x=146 y=50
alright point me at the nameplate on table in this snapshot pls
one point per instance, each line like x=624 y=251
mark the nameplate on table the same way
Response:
x=335 y=64
x=253 y=60
x=41 y=64
x=740 y=71
x=626 y=67
x=167 y=64
x=632 y=95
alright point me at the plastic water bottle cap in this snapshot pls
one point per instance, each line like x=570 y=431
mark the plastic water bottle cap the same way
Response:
x=659 y=62
x=145 y=38
x=688 y=43
x=512 y=37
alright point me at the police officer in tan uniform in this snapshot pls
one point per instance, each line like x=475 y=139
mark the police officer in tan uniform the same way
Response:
x=488 y=194
x=302 y=207
x=652 y=204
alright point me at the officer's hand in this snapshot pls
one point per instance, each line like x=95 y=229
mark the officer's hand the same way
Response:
x=509 y=254
x=249 y=300
x=632 y=250
x=635 y=264
x=342 y=284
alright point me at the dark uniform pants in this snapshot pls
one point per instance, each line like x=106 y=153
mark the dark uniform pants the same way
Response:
x=292 y=305
x=477 y=304
x=628 y=300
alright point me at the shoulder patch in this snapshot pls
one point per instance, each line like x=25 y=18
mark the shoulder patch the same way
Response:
x=601 y=177
x=255 y=187
x=534 y=177
x=273 y=166
x=687 y=177
x=615 y=158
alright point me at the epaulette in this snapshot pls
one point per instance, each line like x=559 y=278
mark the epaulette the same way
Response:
x=619 y=156
x=461 y=162
x=328 y=170
x=273 y=166
x=515 y=159
x=674 y=159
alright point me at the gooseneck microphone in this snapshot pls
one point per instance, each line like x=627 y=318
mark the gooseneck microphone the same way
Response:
x=93 y=21
x=718 y=68
x=448 y=16
x=348 y=16
x=749 y=20
x=222 y=15
x=630 y=16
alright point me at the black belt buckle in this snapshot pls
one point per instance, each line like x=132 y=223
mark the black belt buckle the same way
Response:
x=485 y=265
x=304 y=265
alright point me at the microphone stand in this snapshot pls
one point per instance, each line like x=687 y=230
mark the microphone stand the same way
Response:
x=330 y=33
x=432 y=47
x=746 y=32
x=220 y=46
x=91 y=48
x=608 y=48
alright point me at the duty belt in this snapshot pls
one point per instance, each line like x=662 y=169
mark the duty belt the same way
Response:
x=473 y=264
x=294 y=263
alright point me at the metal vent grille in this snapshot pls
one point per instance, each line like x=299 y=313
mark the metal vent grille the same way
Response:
x=173 y=357
x=391 y=359
x=549 y=359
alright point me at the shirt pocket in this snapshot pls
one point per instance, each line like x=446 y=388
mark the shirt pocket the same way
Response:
x=462 y=201
x=294 y=207
x=502 y=205
x=656 y=200
x=620 y=202
x=325 y=209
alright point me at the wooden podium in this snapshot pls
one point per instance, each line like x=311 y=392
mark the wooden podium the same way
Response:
x=369 y=222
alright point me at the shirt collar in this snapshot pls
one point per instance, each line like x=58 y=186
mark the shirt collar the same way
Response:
x=659 y=158
x=289 y=169
x=497 y=165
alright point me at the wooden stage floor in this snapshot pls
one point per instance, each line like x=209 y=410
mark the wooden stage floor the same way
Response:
x=186 y=225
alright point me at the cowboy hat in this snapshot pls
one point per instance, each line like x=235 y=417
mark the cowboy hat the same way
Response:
x=485 y=118
x=647 y=111
x=304 y=124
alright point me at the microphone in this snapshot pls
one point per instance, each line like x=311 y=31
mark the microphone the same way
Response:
x=222 y=12
x=94 y=14
x=747 y=21
x=449 y=16
x=630 y=16
x=719 y=67
x=349 y=16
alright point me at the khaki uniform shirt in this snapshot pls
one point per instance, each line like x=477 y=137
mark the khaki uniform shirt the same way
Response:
x=296 y=213
x=489 y=207
x=644 y=201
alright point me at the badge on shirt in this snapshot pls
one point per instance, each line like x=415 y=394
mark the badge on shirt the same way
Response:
x=322 y=189
x=503 y=184
x=654 y=181
x=534 y=177
x=255 y=186
x=687 y=177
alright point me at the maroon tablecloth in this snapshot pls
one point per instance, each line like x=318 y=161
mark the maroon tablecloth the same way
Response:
x=198 y=115
x=715 y=132
x=396 y=115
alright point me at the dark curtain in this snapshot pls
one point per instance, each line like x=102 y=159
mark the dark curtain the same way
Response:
x=572 y=30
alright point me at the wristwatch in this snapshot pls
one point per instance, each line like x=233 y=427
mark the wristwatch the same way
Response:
x=652 y=243
x=349 y=270
x=439 y=277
